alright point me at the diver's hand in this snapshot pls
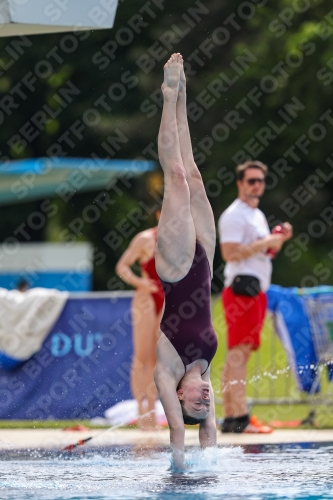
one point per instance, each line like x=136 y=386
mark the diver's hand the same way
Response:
x=178 y=460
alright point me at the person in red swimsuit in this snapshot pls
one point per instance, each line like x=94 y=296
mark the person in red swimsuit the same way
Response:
x=148 y=269
x=147 y=307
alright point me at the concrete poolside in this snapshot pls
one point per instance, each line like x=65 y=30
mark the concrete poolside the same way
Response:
x=57 y=439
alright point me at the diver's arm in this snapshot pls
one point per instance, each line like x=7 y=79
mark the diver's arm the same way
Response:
x=207 y=429
x=167 y=391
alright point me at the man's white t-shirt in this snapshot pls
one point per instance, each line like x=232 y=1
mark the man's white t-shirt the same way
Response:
x=240 y=223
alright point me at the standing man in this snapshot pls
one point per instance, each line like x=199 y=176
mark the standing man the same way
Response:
x=247 y=247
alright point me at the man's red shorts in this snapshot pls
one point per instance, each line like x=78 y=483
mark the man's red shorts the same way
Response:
x=244 y=317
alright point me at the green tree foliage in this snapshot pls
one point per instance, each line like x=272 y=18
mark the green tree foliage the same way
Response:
x=260 y=80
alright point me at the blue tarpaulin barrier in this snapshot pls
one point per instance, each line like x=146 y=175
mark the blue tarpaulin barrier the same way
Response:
x=83 y=367
x=304 y=320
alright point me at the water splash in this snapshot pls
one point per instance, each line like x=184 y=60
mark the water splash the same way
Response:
x=212 y=459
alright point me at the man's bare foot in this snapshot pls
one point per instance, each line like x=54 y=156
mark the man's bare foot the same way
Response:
x=170 y=85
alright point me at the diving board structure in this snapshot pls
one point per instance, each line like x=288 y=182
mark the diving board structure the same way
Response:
x=32 y=17
x=37 y=178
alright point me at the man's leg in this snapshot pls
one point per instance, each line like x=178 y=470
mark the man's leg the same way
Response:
x=244 y=327
x=176 y=231
x=200 y=207
x=244 y=318
x=234 y=381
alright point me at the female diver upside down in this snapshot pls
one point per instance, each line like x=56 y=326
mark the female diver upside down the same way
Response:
x=184 y=257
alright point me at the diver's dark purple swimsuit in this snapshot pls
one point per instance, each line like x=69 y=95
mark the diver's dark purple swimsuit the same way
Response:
x=186 y=320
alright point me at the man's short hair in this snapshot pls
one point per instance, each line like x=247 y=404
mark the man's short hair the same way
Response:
x=240 y=169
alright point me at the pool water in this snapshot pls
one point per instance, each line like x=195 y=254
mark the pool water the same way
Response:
x=301 y=471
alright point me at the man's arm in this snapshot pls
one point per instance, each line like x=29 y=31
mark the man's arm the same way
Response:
x=129 y=257
x=207 y=430
x=236 y=251
x=167 y=391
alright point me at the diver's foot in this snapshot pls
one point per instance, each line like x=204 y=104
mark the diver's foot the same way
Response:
x=182 y=84
x=170 y=85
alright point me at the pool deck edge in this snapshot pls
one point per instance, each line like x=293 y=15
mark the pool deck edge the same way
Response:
x=55 y=438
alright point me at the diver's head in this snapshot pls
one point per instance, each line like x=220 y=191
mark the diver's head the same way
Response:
x=194 y=398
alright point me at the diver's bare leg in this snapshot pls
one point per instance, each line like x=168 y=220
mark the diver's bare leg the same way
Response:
x=176 y=231
x=201 y=209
